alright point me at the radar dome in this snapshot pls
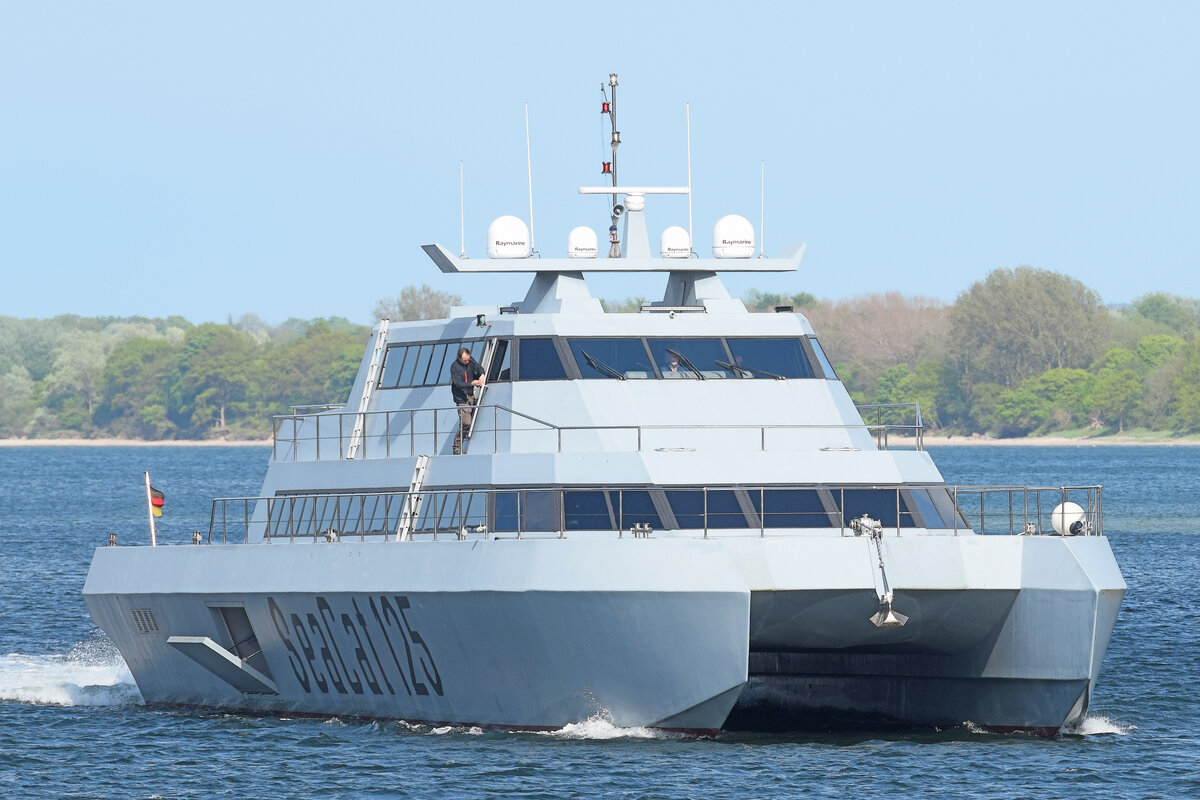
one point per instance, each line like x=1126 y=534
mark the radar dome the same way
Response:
x=1068 y=519
x=733 y=237
x=508 y=237
x=582 y=243
x=675 y=243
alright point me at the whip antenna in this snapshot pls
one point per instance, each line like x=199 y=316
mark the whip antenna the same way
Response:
x=688 y=114
x=529 y=164
x=762 y=210
x=462 y=219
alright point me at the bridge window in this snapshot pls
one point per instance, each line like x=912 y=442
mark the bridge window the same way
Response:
x=822 y=359
x=500 y=368
x=762 y=358
x=537 y=360
x=702 y=354
x=610 y=358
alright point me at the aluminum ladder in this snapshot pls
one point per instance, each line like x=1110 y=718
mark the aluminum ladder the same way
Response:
x=412 y=501
x=360 y=419
x=485 y=363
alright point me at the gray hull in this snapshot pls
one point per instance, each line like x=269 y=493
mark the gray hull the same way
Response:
x=678 y=633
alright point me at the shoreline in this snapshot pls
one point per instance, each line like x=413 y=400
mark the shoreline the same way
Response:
x=135 y=443
x=930 y=441
x=1056 y=441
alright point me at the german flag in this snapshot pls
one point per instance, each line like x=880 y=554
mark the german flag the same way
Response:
x=156 y=501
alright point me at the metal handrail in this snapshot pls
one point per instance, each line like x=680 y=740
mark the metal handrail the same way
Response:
x=471 y=513
x=404 y=424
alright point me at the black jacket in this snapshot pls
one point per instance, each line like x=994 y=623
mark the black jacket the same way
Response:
x=461 y=377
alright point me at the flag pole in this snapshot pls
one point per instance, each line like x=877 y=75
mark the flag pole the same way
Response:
x=150 y=511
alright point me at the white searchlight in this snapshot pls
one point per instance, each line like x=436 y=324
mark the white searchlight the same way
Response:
x=1069 y=519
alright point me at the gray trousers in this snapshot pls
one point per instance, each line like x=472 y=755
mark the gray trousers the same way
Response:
x=465 y=413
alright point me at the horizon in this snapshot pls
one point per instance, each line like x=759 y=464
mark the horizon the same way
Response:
x=288 y=161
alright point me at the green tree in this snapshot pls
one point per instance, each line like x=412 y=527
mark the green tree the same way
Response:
x=1117 y=388
x=1021 y=322
x=417 y=303
x=135 y=388
x=1186 y=407
x=217 y=373
x=78 y=365
x=303 y=370
x=1171 y=311
x=16 y=402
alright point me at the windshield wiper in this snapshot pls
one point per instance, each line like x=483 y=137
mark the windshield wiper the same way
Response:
x=683 y=360
x=601 y=367
x=752 y=370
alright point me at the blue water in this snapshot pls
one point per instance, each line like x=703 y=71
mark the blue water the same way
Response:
x=72 y=724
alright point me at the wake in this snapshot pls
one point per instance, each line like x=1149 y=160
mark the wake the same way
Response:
x=89 y=674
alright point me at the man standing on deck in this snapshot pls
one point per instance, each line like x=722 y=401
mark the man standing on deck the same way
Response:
x=465 y=375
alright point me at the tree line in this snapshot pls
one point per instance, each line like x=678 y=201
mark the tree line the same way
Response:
x=1023 y=351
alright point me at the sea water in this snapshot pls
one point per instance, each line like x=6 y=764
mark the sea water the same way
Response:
x=72 y=724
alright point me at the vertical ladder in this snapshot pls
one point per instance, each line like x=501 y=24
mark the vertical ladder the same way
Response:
x=360 y=420
x=412 y=501
x=485 y=363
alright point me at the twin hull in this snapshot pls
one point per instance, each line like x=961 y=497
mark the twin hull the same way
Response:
x=679 y=633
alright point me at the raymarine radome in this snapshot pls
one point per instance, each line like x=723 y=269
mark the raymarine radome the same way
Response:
x=675 y=243
x=582 y=243
x=508 y=237
x=733 y=237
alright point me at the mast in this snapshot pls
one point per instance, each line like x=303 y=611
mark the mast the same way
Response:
x=610 y=167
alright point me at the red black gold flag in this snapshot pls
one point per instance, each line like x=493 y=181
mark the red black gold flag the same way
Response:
x=156 y=501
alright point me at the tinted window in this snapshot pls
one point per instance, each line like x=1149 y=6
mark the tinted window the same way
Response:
x=588 y=511
x=826 y=367
x=422 y=365
x=688 y=507
x=392 y=362
x=944 y=500
x=782 y=357
x=878 y=504
x=499 y=370
x=441 y=362
x=526 y=511
x=439 y=370
x=793 y=508
x=638 y=507
x=627 y=357
x=724 y=510
x=505 y=515
x=920 y=508
x=410 y=366
x=538 y=360
x=702 y=353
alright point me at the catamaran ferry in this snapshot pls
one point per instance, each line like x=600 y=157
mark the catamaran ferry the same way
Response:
x=675 y=518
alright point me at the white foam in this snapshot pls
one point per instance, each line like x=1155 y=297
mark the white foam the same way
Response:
x=90 y=674
x=1096 y=726
x=600 y=727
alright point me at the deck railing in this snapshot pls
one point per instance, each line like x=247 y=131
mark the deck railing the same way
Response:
x=639 y=511
x=404 y=434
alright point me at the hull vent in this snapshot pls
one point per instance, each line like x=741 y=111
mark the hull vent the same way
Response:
x=144 y=619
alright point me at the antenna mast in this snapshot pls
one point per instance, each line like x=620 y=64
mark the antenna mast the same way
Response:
x=529 y=165
x=762 y=209
x=610 y=167
x=462 y=218
x=688 y=114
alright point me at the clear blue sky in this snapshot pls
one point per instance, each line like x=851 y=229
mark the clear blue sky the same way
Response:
x=288 y=159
